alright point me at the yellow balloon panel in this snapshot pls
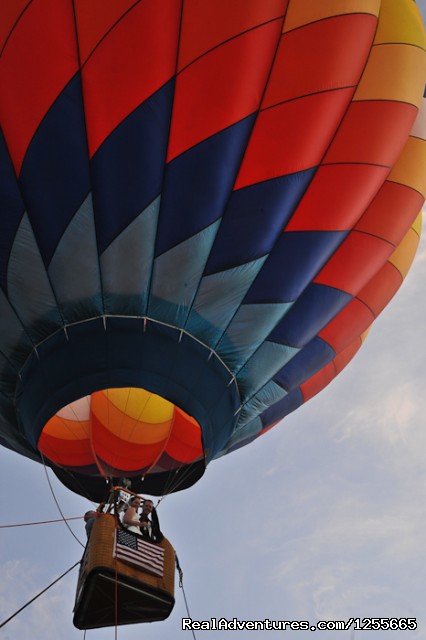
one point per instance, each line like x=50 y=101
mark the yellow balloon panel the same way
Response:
x=403 y=255
x=133 y=428
x=393 y=72
x=400 y=22
x=128 y=430
x=308 y=11
x=141 y=404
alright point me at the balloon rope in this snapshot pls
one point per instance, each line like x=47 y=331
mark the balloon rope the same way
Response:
x=116 y=581
x=57 y=503
x=178 y=567
x=30 y=524
x=172 y=484
x=136 y=420
x=39 y=594
x=123 y=414
x=172 y=422
x=92 y=447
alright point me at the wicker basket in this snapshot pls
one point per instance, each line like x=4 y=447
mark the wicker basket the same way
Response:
x=110 y=591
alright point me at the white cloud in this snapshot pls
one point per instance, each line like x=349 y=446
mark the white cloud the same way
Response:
x=20 y=581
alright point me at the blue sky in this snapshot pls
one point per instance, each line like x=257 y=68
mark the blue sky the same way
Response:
x=321 y=519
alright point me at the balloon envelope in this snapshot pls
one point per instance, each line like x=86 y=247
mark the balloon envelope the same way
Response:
x=204 y=208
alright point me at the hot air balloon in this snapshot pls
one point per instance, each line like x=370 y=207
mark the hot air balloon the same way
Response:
x=204 y=207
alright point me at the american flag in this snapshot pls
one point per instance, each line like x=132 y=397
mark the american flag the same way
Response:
x=130 y=548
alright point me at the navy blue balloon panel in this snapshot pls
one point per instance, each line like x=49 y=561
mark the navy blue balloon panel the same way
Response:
x=204 y=207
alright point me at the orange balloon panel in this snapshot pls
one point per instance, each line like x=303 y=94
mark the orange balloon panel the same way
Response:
x=210 y=200
x=121 y=431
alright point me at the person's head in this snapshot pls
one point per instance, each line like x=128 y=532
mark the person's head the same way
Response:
x=89 y=514
x=147 y=506
x=135 y=501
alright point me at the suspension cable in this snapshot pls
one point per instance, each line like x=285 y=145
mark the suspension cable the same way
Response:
x=57 y=504
x=116 y=575
x=30 y=524
x=174 y=482
x=38 y=595
x=180 y=572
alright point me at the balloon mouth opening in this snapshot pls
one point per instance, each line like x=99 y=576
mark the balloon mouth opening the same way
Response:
x=107 y=366
x=121 y=432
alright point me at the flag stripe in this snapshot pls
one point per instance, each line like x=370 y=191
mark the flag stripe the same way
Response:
x=140 y=561
x=145 y=555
